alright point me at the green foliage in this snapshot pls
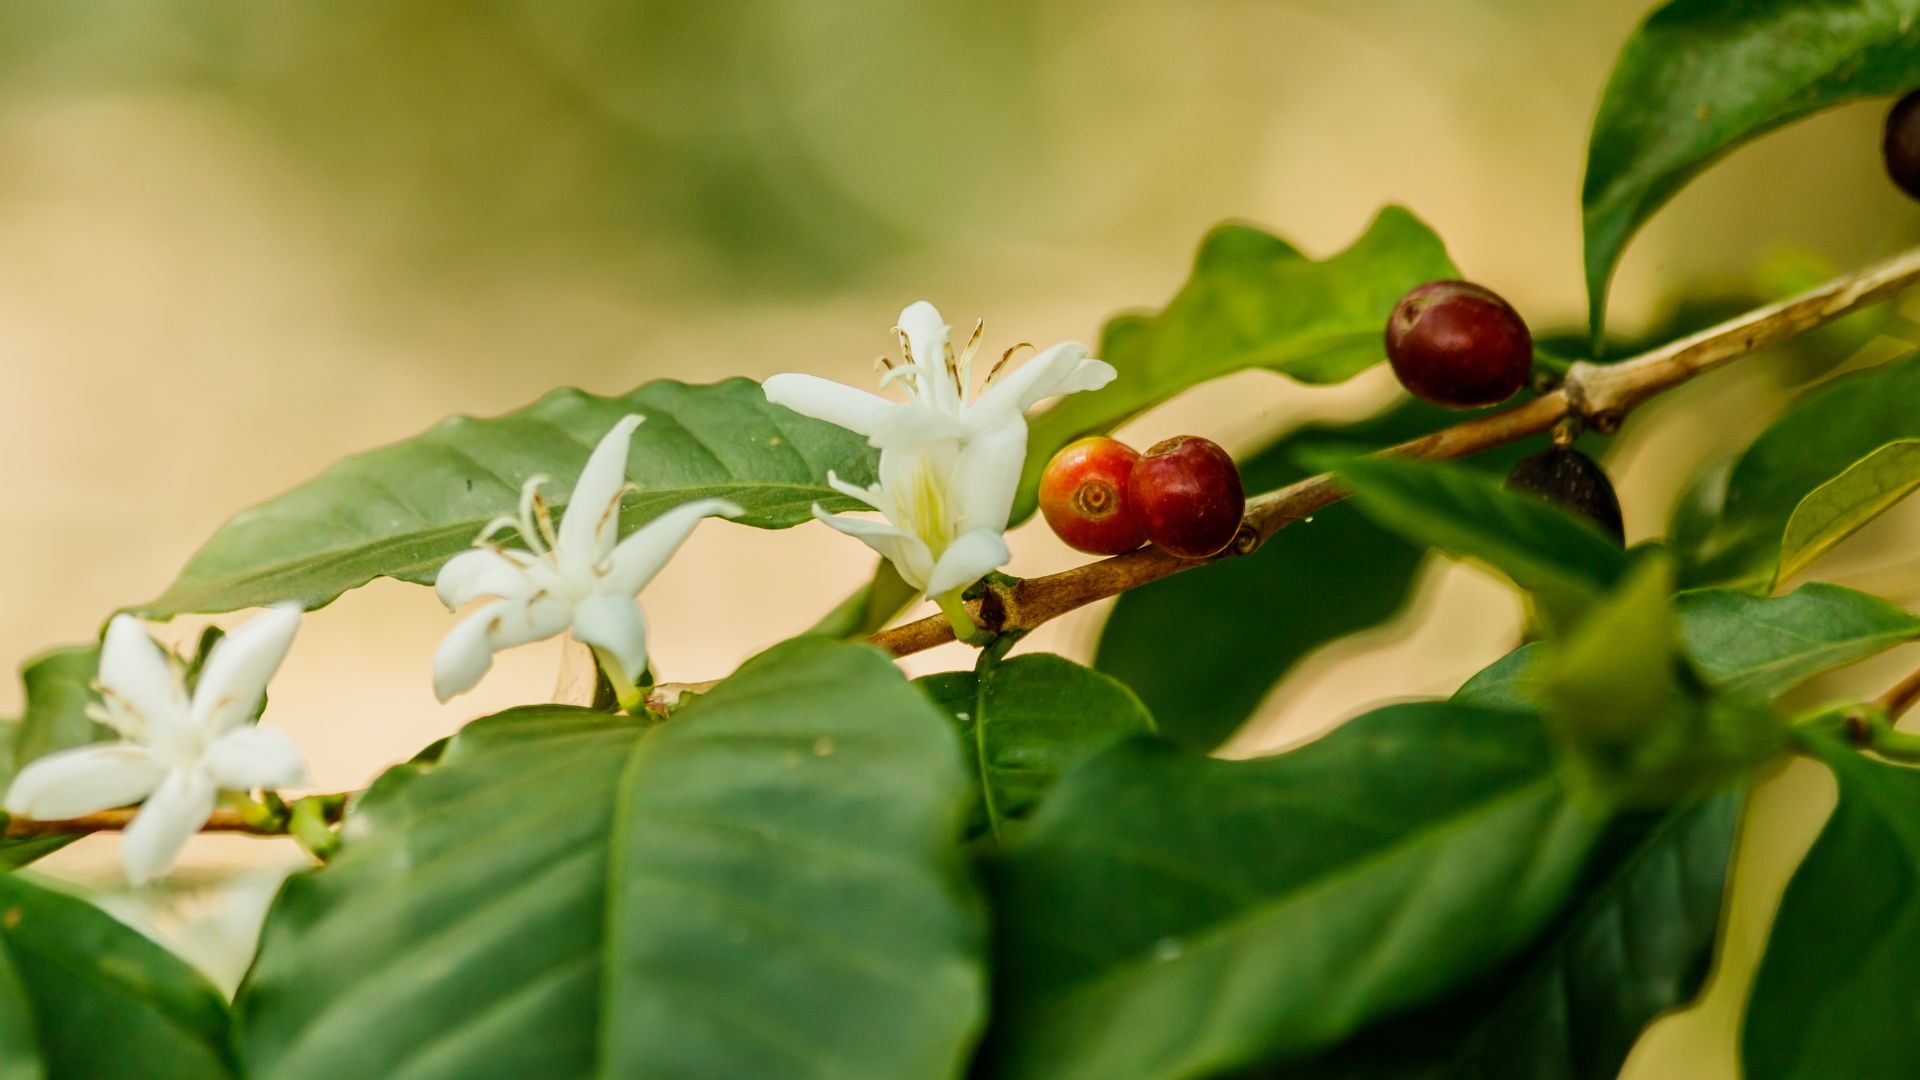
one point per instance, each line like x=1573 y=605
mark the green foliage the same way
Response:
x=1561 y=558
x=1701 y=77
x=1166 y=915
x=1252 y=301
x=1835 y=991
x=764 y=886
x=1024 y=722
x=403 y=510
x=58 y=685
x=82 y=994
x=1765 y=646
x=1735 y=539
x=1630 y=711
x=1840 y=507
x=1635 y=945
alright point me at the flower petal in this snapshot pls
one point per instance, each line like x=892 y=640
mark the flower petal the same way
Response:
x=236 y=673
x=181 y=803
x=907 y=552
x=484 y=571
x=592 y=520
x=467 y=651
x=986 y=475
x=823 y=399
x=1063 y=369
x=84 y=780
x=617 y=625
x=138 y=682
x=928 y=337
x=910 y=425
x=968 y=559
x=252 y=757
x=639 y=557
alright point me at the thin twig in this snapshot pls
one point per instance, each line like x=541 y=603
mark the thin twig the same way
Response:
x=1600 y=394
x=224 y=820
x=1901 y=697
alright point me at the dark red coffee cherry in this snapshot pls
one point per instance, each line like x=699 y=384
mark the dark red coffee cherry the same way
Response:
x=1574 y=481
x=1083 y=496
x=1186 y=494
x=1457 y=344
x=1901 y=147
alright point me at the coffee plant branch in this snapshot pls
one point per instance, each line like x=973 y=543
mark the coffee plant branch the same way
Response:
x=1598 y=395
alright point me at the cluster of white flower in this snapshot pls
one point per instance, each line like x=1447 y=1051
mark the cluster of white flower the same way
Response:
x=950 y=461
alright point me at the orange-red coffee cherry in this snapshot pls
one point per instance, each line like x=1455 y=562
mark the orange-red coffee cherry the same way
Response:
x=1457 y=344
x=1185 y=493
x=1083 y=496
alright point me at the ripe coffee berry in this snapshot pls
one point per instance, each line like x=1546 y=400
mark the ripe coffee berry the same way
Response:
x=1186 y=494
x=1575 y=481
x=1457 y=344
x=1083 y=496
x=1901 y=147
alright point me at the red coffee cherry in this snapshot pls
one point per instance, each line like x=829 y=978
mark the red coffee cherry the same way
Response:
x=1901 y=147
x=1457 y=344
x=1187 y=497
x=1083 y=496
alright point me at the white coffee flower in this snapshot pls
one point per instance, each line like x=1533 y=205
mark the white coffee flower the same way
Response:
x=177 y=751
x=581 y=577
x=950 y=455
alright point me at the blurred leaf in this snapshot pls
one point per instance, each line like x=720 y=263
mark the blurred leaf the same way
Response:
x=1562 y=559
x=1203 y=650
x=1622 y=701
x=1252 y=301
x=1294 y=899
x=403 y=510
x=59 y=685
x=1701 y=77
x=103 y=1001
x=1819 y=438
x=1843 y=505
x=1635 y=946
x=767 y=885
x=870 y=607
x=1836 y=988
x=1765 y=646
x=1025 y=721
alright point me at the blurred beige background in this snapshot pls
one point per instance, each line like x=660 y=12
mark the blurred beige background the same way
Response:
x=238 y=241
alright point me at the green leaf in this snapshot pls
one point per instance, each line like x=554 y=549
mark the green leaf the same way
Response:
x=102 y=999
x=1170 y=916
x=870 y=607
x=1562 y=559
x=1251 y=301
x=1820 y=438
x=403 y=510
x=1635 y=946
x=1701 y=77
x=1836 y=988
x=58 y=688
x=1843 y=505
x=1621 y=699
x=1765 y=646
x=1023 y=722
x=766 y=885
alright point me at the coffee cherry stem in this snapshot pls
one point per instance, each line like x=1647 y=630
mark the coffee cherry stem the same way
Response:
x=1596 y=395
